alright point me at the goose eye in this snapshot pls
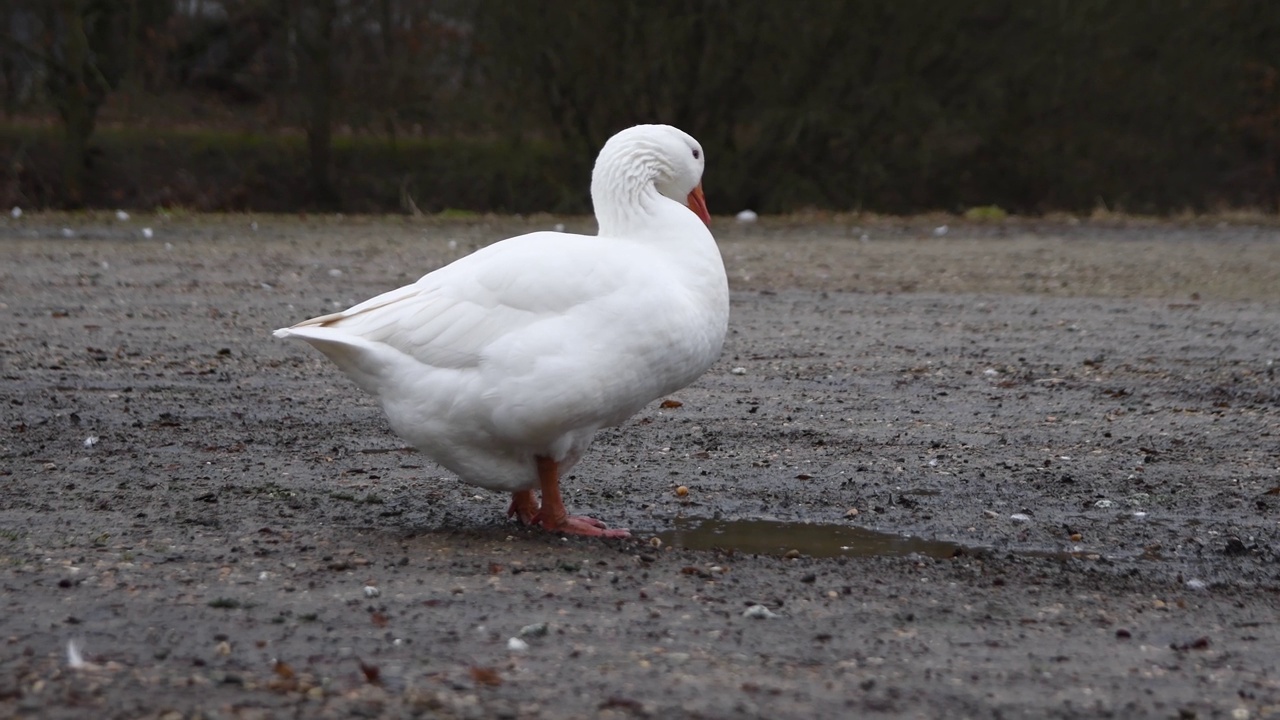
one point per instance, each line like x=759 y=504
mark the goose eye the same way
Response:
x=696 y=154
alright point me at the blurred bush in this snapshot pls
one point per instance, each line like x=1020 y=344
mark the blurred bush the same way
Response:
x=881 y=105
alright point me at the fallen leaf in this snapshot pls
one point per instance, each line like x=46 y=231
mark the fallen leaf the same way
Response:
x=371 y=673
x=668 y=404
x=486 y=676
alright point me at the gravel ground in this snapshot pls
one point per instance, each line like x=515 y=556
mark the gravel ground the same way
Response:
x=1020 y=470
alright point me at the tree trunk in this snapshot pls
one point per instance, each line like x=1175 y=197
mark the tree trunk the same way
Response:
x=74 y=104
x=315 y=35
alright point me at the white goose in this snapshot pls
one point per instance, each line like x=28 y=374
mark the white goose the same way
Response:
x=503 y=365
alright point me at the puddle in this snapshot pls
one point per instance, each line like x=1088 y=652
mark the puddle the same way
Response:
x=769 y=537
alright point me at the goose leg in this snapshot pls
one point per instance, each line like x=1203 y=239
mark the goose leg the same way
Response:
x=552 y=516
x=524 y=506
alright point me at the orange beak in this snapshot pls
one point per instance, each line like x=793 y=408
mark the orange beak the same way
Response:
x=698 y=204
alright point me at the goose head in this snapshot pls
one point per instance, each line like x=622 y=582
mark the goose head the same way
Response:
x=638 y=166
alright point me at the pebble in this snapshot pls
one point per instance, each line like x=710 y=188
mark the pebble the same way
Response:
x=91 y=441
x=682 y=491
x=371 y=591
x=16 y=212
x=534 y=630
x=515 y=644
x=122 y=215
x=335 y=272
x=851 y=512
x=558 y=227
x=68 y=232
x=1020 y=517
x=739 y=371
x=1196 y=584
x=146 y=232
x=940 y=230
x=747 y=216
x=1103 y=504
x=759 y=612
x=990 y=514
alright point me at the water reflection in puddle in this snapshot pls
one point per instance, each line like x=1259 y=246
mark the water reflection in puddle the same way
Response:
x=770 y=537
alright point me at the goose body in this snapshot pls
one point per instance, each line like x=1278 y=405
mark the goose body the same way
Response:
x=502 y=366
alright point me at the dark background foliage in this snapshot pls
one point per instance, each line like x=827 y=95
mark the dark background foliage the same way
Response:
x=881 y=105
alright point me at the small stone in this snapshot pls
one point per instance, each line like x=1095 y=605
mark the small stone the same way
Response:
x=1104 y=504
x=558 y=227
x=122 y=215
x=16 y=212
x=1196 y=584
x=91 y=441
x=371 y=591
x=747 y=216
x=851 y=512
x=68 y=232
x=534 y=630
x=940 y=230
x=1076 y=537
x=223 y=648
x=990 y=514
x=739 y=371
x=792 y=554
x=515 y=644
x=1020 y=518
x=146 y=232
x=682 y=491
x=335 y=272
x=759 y=612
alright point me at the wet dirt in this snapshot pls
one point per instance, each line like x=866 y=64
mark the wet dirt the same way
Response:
x=222 y=526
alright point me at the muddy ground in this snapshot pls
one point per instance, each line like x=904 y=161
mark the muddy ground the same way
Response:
x=1087 y=413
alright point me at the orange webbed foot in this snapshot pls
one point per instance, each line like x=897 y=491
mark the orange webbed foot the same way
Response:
x=552 y=516
x=524 y=506
x=581 y=525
